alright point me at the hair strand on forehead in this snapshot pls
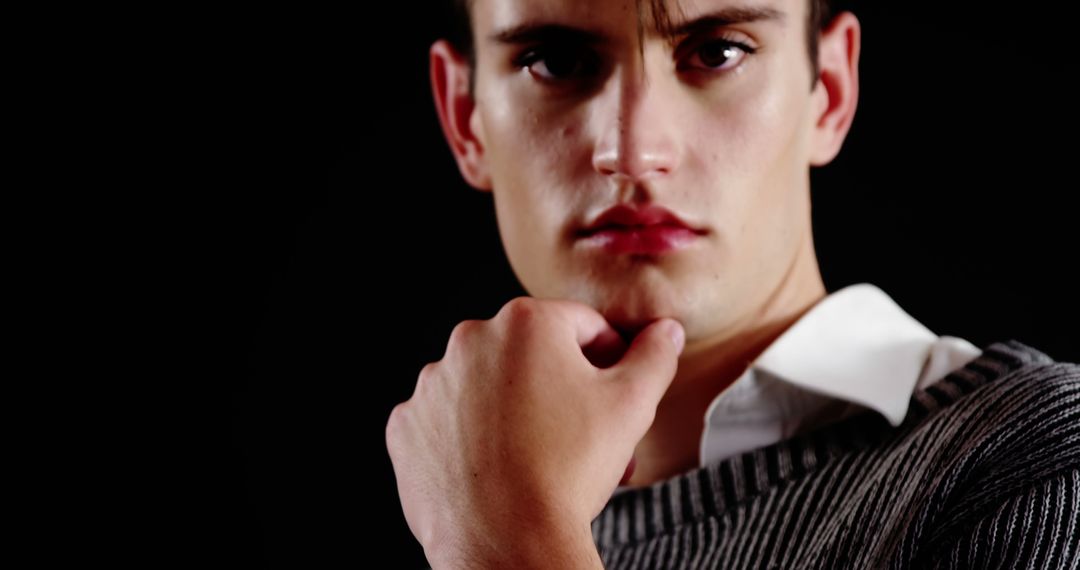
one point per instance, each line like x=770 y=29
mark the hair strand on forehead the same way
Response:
x=658 y=9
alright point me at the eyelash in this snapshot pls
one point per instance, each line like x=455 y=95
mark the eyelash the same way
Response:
x=726 y=43
x=531 y=56
x=527 y=59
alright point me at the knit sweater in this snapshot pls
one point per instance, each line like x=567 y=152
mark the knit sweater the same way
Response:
x=984 y=472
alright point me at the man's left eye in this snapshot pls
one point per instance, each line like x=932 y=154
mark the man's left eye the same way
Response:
x=719 y=55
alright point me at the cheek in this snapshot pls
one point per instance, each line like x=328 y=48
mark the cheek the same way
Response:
x=746 y=147
x=530 y=161
x=745 y=130
x=537 y=158
x=751 y=133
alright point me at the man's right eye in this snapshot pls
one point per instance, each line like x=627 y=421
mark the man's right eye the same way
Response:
x=557 y=64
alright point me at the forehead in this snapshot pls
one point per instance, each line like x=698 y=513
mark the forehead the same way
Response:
x=510 y=21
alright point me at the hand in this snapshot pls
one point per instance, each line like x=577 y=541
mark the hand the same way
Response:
x=516 y=435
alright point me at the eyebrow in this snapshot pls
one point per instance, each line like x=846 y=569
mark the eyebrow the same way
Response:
x=540 y=32
x=536 y=32
x=727 y=17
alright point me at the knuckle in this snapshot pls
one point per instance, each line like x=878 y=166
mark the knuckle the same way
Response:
x=427 y=372
x=393 y=423
x=520 y=308
x=461 y=332
x=460 y=336
x=524 y=314
x=426 y=377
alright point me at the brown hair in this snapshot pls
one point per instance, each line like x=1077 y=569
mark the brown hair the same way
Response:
x=461 y=37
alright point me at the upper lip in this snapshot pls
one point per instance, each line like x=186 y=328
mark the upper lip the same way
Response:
x=624 y=216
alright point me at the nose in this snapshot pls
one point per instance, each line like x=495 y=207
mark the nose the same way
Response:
x=636 y=118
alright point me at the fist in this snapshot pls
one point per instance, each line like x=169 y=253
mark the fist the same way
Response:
x=527 y=424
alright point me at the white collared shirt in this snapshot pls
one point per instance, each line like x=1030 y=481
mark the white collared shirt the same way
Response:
x=856 y=349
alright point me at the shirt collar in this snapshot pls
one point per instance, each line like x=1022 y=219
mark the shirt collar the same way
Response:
x=856 y=344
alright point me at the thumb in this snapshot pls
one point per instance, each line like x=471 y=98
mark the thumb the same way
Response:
x=652 y=359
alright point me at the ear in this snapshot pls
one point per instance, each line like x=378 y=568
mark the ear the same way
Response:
x=458 y=115
x=836 y=93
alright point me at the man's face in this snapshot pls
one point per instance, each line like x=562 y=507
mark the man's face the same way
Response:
x=716 y=129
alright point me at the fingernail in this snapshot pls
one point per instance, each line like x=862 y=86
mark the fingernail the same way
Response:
x=678 y=336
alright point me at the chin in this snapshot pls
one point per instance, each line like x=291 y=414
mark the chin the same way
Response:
x=631 y=301
x=630 y=309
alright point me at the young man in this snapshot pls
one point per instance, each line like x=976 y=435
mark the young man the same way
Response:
x=649 y=164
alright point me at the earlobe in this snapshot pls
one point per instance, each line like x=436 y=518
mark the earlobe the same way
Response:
x=837 y=90
x=458 y=115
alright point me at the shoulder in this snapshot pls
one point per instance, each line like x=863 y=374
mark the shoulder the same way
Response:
x=1009 y=436
x=1010 y=403
x=1022 y=373
x=1042 y=388
x=1029 y=415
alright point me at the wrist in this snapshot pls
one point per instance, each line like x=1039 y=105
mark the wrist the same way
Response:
x=569 y=546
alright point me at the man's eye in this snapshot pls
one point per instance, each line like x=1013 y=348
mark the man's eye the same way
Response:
x=556 y=64
x=719 y=55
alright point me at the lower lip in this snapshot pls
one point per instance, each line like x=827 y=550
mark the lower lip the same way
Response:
x=641 y=240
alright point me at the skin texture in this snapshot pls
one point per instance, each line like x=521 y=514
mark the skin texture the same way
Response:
x=516 y=431
x=727 y=148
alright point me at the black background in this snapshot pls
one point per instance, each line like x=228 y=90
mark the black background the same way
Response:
x=344 y=245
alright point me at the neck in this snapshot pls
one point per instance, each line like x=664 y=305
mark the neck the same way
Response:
x=709 y=365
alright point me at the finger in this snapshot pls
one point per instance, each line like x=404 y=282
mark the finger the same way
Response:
x=588 y=323
x=605 y=350
x=601 y=343
x=652 y=359
x=629 y=471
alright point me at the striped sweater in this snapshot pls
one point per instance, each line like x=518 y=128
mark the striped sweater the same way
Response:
x=984 y=472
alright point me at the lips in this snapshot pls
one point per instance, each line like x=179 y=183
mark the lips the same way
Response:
x=627 y=217
x=650 y=230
